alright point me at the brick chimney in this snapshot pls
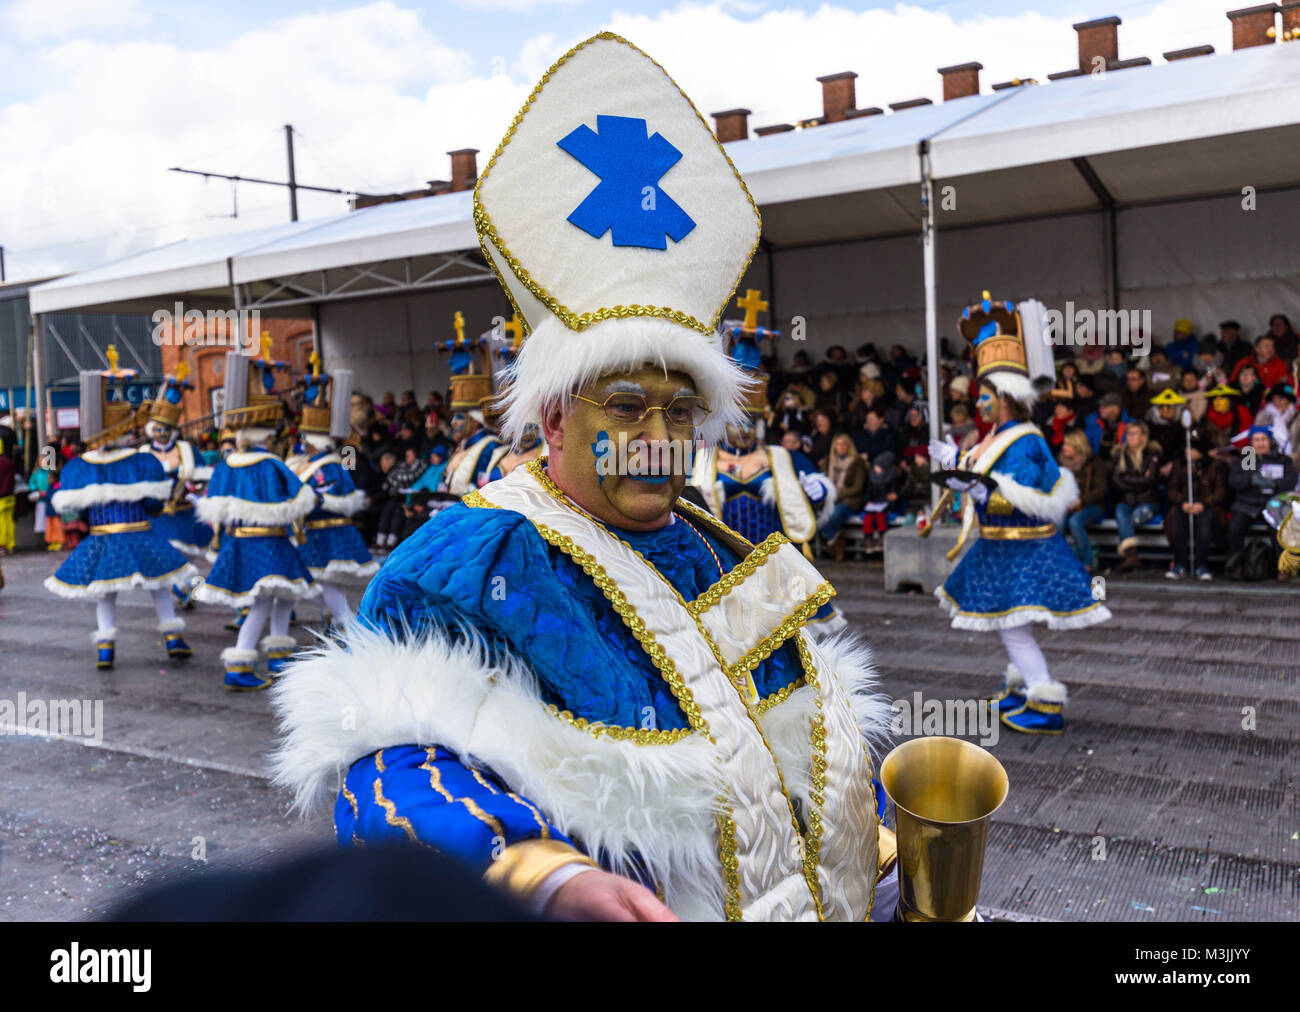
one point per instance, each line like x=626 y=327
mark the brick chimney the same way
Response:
x=464 y=168
x=1098 y=38
x=1291 y=17
x=838 y=95
x=1251 y=25
x=961 y=80
x=731 y=125
x=1187 y=54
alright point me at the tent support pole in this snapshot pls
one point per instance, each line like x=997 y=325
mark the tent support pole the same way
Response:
x=1111 y=238
x=38 y=378
x=931 y=314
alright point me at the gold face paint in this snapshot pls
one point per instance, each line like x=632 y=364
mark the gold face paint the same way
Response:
x=626 y=475
x=1221 y=405
x=987 y=405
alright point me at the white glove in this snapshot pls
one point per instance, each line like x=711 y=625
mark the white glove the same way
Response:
x=943 y=454
x=980 y=493
x=812 y=486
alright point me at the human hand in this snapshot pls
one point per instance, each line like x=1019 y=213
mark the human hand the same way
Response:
x=600 y=896
x=1187 y=507
x=1198 y=508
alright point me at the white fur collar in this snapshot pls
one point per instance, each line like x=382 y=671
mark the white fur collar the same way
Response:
x=226 y=509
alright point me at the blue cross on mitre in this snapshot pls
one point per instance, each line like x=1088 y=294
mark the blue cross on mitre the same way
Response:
x=628 y=201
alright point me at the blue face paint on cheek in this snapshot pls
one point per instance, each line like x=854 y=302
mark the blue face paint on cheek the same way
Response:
x=601 y=450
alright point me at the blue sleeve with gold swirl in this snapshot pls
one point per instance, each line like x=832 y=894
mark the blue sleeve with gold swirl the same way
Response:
x=429 y=797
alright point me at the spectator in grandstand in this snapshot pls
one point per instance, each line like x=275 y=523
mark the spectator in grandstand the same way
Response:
x=1252 y=391
x=1067 y=374
x=845 y=468
x=916 y=479
x=1272 y=472
x=1208 y=359
x=1226 y=416
x=904 y=397
x=871 y=393
x=790 y=416
x=962 y=429
x=794 y=442
x=830 y=395
x=1268 y=367
x=915 y=434
x=1112 y=376
x=1278 y=413
x=1192 y=389
x=1135 y=482
x=958 y=395
x=1089 y=472
x=837 y=360
x=1165 y=423
x=824 y=424
x=1196 y=517
x=1232 y=346
x=1184 y=346
x=1063 y=420
x=1105 y=426
x=1085 y=396
x=880 y=499
x=1284 y=338
x=875 y=437
x=1136 y=398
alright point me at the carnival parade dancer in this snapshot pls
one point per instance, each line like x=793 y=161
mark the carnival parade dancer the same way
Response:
x=177 y=522
x=571 y=670
x=757 y=489
x=333 y=550
x=118 y=487
x=252 y=501
x=1021 y=569
x=471 y=391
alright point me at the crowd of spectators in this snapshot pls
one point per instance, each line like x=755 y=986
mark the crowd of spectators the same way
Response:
x=1112 y=419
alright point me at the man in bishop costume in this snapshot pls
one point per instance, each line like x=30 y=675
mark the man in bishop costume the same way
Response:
x=598 y=697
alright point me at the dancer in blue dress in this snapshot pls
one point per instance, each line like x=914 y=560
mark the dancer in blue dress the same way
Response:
x=759 y=490
x=177 y=522
x=1020 y=570
x=333 y=550
x=118 y=487
x=253 y=501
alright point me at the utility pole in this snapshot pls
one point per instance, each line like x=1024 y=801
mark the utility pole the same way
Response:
x=293 y=184
x=293 y=179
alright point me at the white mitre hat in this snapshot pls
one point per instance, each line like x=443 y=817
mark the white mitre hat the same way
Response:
x=619 y=229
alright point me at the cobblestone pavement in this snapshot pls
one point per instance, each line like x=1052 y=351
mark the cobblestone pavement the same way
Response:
x=1155 y=804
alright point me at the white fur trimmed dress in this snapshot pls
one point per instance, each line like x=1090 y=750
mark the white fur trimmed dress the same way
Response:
x=252 y=502
x=118 y=489
x=1021 y=569
x=333 y=549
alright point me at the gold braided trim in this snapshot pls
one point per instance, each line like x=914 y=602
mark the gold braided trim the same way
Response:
x=124 y=528
x=816 y=781
x=1017 y=533
x=476 y=499
x=320 y=525
x=789 y=627
x=743 y=571
x=251 y=531
x=640 y=735
x=487 y=232
x=522 y=867
x=705 y=517
x=730 y=865
x=778 y=697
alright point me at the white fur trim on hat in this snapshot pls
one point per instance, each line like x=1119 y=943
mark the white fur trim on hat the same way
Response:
x=556 y=362
x=1012 y=385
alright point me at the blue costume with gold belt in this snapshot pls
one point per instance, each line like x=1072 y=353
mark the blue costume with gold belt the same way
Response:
x=1021 y=569
x=332 y=547
x=118 y=489
x=253 y=500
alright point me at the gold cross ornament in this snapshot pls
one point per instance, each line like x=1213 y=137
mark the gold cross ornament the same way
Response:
x=752 y=304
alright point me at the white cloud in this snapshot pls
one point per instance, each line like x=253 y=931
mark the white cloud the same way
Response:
x=40 y=20
x=379 y=97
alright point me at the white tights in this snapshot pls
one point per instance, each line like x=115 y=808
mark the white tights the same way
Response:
x=335 y=602
x=278 y=610
x=1025 y=654
x=106 y=611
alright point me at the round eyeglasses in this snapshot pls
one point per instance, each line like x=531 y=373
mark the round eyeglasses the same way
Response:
x=682 y=412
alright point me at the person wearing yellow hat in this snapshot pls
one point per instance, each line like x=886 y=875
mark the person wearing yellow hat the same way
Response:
x=1226 y=417
x=1183 y=346
x=593 y=694
x=1165 y=422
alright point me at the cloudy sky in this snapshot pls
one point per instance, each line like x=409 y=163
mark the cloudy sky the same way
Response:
x=99 y=97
